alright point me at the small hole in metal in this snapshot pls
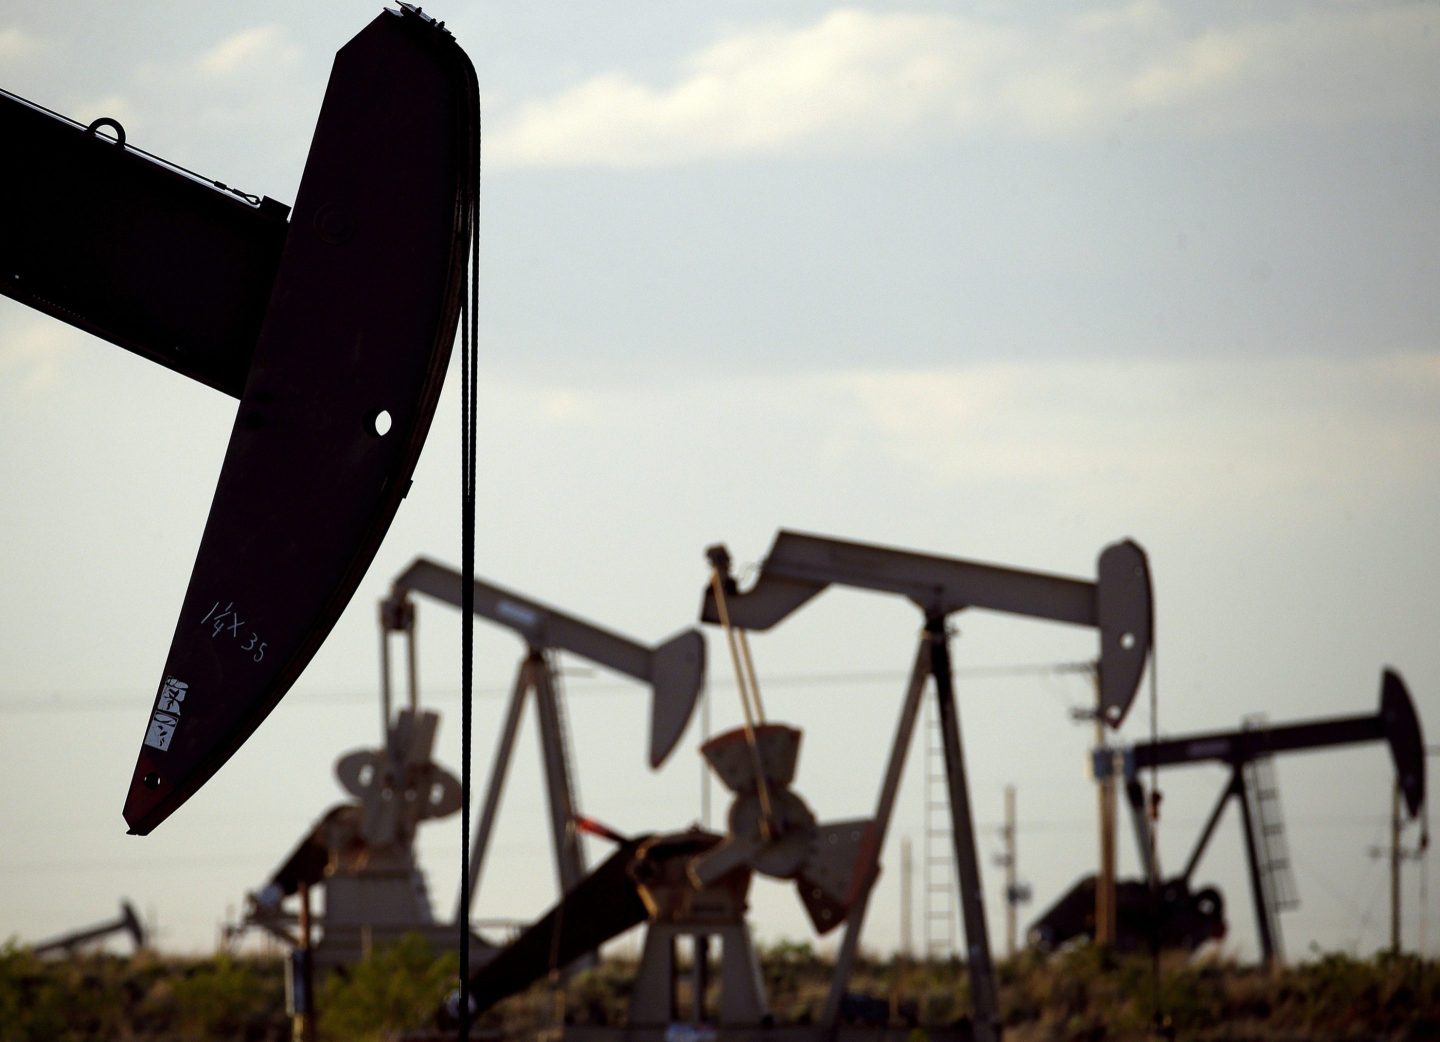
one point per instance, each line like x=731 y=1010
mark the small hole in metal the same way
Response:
x=379 y=423
x=152 y=780
x=1127 y=641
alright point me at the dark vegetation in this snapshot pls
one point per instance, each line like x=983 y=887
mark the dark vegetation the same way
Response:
x=1081 y=995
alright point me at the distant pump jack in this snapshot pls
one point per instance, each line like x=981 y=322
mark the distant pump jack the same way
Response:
x=363 y=852
x=1395 y=722
x=674 y=671
x=128 y=923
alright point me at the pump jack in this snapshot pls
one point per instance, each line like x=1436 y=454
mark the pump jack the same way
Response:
x=1395 y=723
x=674 y=670
x=1117 y=603
x=694 y=882
x=362 y=852
x=128 y=922
x=336 y=350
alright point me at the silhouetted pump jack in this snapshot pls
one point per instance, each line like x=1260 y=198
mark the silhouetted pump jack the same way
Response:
x=333 y=329
x=1395 y=723
x=129 y=923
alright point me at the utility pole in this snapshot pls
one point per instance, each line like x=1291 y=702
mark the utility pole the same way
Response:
x=1395 y=855
x=907 y=870
x=1009 y=859
x=1015 y=891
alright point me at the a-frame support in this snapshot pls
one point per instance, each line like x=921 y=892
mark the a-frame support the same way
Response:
x=674 y=671
x=1267 y=924
x=536 y=675
x=889 y=788
x=932 y=663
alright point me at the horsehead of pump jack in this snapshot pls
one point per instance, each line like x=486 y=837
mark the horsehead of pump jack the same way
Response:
x=333 y=328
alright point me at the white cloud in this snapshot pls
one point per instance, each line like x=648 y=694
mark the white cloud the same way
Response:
x=866 y=79
x=261 y=48
x=1209 y=435
x=32 y=355
x=566 y=406
x=758 y=91
x=115 y=106
x=15 y=45
x=242 y=111
x=1193 y=430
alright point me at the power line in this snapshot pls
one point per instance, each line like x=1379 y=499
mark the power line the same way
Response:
x=83 y=701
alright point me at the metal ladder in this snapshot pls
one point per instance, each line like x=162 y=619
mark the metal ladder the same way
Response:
x=938 y=852
x=1277 y=875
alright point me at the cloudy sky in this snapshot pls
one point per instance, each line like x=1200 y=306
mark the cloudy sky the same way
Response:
x=1004 y=282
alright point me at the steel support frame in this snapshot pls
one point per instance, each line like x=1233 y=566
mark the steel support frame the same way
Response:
x=1267 y=925
x=932 y=661
x=534 y=675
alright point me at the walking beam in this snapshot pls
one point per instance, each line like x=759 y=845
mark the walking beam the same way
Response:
x=1117 y=602
x=674 y=670
x=1395 y=722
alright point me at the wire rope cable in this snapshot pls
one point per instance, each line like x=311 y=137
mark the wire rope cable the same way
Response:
x=469 y=393
x=739 y=658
